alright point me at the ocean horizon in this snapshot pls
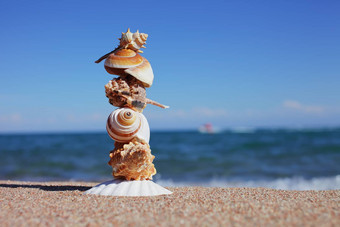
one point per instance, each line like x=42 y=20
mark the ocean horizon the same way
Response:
x=293 y=159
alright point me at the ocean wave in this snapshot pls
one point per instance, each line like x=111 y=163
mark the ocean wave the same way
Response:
x=294 y=183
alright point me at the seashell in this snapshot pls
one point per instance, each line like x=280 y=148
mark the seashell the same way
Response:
x=118 y=61
x=128 y=92
x=142 y=72
x=133 y=41
x=132 y=161
x=128 y=188
x=124 y=124
x=127 y=62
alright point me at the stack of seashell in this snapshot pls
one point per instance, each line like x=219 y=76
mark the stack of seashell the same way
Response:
x=131 y=159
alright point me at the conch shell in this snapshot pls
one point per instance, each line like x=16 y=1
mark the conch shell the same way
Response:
x=132 y=161
x=133 y=41
x=125 y=124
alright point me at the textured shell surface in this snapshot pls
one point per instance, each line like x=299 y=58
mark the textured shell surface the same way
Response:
x=125 y=124
x=127 y=92
x=133 y=41
x=132 y=161
x=128 y=188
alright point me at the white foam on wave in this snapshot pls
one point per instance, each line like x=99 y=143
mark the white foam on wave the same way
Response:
x=294 y=183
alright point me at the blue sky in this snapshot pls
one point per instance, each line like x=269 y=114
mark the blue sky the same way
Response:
x=231 y=63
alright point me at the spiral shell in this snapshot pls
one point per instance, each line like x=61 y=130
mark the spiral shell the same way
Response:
x=133 y=41
x=125 y=124
x=127 y=62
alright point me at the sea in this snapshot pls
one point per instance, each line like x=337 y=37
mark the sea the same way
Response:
x=290 y=159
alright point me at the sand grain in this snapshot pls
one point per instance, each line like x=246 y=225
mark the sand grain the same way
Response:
x=63 y=203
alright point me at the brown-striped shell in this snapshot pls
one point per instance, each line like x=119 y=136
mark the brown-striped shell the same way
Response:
x=125 y=124
x=128 y=62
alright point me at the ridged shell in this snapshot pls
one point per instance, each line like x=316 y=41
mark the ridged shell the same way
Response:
x=128 y=188
x=126 y=61
x=133 y=41
x=124 y=124
x=132 y=161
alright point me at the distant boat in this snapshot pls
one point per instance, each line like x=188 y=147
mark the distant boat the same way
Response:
x=207 y=128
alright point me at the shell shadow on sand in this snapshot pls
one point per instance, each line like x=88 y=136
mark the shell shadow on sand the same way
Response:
x=47 y=187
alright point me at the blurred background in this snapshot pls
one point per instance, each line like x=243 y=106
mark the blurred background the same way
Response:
x=253 y=90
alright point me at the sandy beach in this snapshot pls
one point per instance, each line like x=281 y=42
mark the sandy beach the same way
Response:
x=63 y=203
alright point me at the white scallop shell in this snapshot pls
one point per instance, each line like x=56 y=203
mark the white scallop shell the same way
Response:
x=124 y=133
x=128 y=188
